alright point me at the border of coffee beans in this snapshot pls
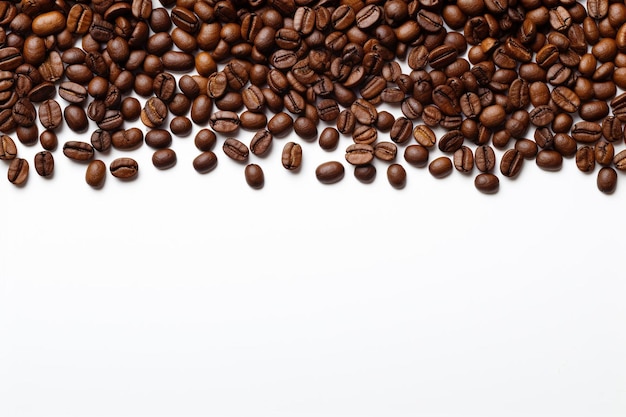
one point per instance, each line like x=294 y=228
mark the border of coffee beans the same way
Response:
x=540 y=74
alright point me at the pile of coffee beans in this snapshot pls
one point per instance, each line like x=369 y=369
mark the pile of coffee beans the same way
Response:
x=491 y=84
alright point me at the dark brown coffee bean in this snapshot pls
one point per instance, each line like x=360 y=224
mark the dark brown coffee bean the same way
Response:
x=185 y=19
x=205 y=162
x=127 y=139
x=385 y=151
x=365 y=173
x=549 y=160
x=607 y=180
x=292 y=156
x=445 y=98
x=101 y=140
x=224 y=121
x=280 y=124
x=44 y=163
x=18 y=171
x=364 y=112
x=593 y=110
x=305 y=128
x=96 y=173
x=164 y=158
x=440 y=167
x=604 y=153
x=487 y=183
x=73 y=92
x=261 y=142
x=124 y=168
x=416 y=155
x=8 y=150
x=485 y=158
x=566 y=99
x=527 y=148
x=511 y=163
x=396 y=175
x=463 y=159
x=365 y=135
x=451 y=141
x=470 y=105
x=130 y=108
x=96 y=110
x=330 y=172
x=542 y=116
x=346 y=121
x=24 y=113
x=154 y=112
x=78 y=151
x=401 y=130
x=254 y=176
x=620 y=160
x=585 y=159
x=329 y=138
x=164 y=86
x=359 y=154
x=586 y=132
x=235 y=149
x=424 y=136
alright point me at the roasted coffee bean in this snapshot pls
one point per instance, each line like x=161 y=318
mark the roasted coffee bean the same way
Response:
x=292 y=156
x=511 y=163
x=205 y=162
x=261 y=142
x=124 y=168
x=73 y=92
x=416 y=155
x=620 y=160
x=401 y=130
x=280 y=124
x=564 y=144
x=154 y=112
x=18 y=171
x=485 y=158
x=78 y=151
x=527 y=148
x=305 y=128
x=101 y=140
x=329 y=138
x=44 y=163
x=330 y=172
x=365 y=135
x=586 y=132
x=127 y=139
x=24 y=113
x=396 y=175
x=463 y=159
x=385 y=151
x=180 y=126
x=365 y=173
x=604 y=153
x=76 y=118
x=164 y=158
x=224 y=121
x=585 y=159
x=607 y=180
x=359 y=154
x=235 y=149
x=96 y=173
x=440 y=167
x=96 y=110
x=549 y=160
x=566 y=99
x=254 y=176
x=346 y=121
x=487 y=183
x=424 y=136
x=8 y=150
x=593 y=110
x=451 y=141
x=364 y=112
x=445 y=98
x=542 y=116
x=201 y=110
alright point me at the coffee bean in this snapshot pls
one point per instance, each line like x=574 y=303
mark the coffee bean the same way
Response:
x=154 y=112
x=18 y=171
x=564 y=144
x=607 y=180
x=424 y=136
x=8 y=150
x=224 y=121
x=44 y=163
x=586 y=132
x=78 y=151
x=96 y=173
x=292 y=156
x=330 y=172
x=261 y=142
x=364 y=112
x=542 y=116
x=127 y=139
x=254 y=176
x=620 y=160
x=205 y=162
x=511 y=163
x=396 y=175
x=305 y=128
x=329 y=138
x=487 y=183
x=164 y=158
x=416 y=155
x=235 y=149
x=50 y=114
x=440 y=167
x=485 y=158
x=24 y=112
x=359 y=154
x=549 y=160
x=385 y=151
x=365 y=173
x=73 y=92
x=124 y=168
x=585 y=159
x=451 y=141
x=463 y=159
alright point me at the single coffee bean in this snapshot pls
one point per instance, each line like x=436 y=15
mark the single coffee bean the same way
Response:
x=330 y=172
x=329 y=138
x=424 y=136
x=564 y=144
x=485 y=158
x=254 y=176
x=542 y=116
x=463 y=159
x=385 y=151
x=180 y=126
x=586 y=132
x=305 y=128
x=620 y=160
x=280 y=124
x=487 y=183
x=44 y=163
x=235 y=149
x=96 y=173
x=585 y=159
x=201 y=110
x=154 y=112
x=205 y=162
x=492 y=116
x=24 y=112
x=164 y=158
x=511 y=163
x=261 y=142
x=78 y=151
x=292 y=156
x=359 y=154
x=124 y=168
x=252 y=120
x=50 y=114
x=416 y=155
x=76 y=118
x=440 y=167
x=604 y=153
x=396 y=175
x=127 y=139
x=101 y=140
x=18 y=171
x=365 y=173
x=73 y=92
x=364 y=112
x=451 y=141
x=48 y=140
x=224 y=121
x=527 y=148
x=8 y=150
x=549 y=160
x=607 y=180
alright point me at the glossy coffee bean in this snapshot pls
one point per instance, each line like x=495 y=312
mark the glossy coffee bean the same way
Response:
x=440 y=167
x=396 y=175
x=254 y=176
x=18 y=171
x=44 y=163
x=607 y=180
x=235 y=150
x=95 y=173
x=124 y=168
x=487 y=183
x=164 y=158
x=205 y=162
x=365 y=173
x=330 y=172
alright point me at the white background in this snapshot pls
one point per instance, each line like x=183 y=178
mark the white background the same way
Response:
x=181 y=294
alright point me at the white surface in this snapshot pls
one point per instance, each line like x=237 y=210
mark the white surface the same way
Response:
x=181 y=294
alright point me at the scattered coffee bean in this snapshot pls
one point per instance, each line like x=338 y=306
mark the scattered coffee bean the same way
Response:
x=487 y=183
x=164 y=158
x=18 y=171
x=365 y=173
x=44 y=163
x=440 y=167
x=396 y=174
x=330 y=172
x=254 y=176
x=205 y=162
x=124 y=168
x=96 y=173
x=235 y=150
x=607 y=180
